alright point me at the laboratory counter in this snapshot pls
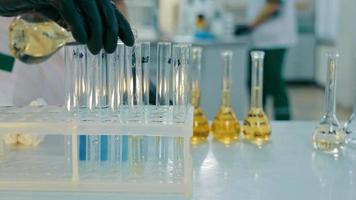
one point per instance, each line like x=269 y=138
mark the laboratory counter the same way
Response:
x=286 y=168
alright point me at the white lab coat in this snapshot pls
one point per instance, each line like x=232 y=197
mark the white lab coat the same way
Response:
x=29 y=82
x=276 y=32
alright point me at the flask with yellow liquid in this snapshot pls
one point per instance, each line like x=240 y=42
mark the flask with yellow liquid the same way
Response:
x=34 y=38
x=200 y=124
x=226 y=127
x=256 y=127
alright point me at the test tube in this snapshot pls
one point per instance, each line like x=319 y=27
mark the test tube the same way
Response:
x=71 y=88
x=116 y=98
x=133 y=66
x=181 y=56
x=181 y=61
x=96 y=89
x=76 y=76
x=146 y=61
x=163 y=94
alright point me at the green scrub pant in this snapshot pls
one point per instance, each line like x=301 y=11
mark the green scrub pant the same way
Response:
x=273 y=82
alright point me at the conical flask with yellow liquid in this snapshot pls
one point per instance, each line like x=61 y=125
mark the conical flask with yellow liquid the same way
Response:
x=34 y=38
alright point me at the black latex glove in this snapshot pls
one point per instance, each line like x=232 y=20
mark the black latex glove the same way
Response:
x=96 y=23
x=242 y=30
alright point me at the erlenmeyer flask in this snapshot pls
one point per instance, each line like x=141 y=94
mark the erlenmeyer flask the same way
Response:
x=34 y=38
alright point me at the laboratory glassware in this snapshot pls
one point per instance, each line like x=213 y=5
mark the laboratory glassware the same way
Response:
x=181 y=60
x=350 y=129
x=34 y=38
x=328 y=136
x=145 y=61
x=226 y=127
x=200 y=124
x=133 y=67
x=116 y=92
x=256 y=127
x=163 y=94
x=96 y=94
x=181 y=55
x=75 y=91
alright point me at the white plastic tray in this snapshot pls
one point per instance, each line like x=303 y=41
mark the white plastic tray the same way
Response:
x=55 y=164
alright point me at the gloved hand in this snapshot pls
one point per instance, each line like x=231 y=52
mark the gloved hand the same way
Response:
x=96 y=23
x=243 y=29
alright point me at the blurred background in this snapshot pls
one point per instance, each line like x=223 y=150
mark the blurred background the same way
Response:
x=321 y=26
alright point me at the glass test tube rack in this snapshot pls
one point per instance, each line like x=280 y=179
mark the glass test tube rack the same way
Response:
x=107 y=137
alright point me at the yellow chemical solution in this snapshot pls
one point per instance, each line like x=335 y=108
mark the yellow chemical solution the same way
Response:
x=256 y=127
x=200 y=122
x=33 y=38
x=226 y=127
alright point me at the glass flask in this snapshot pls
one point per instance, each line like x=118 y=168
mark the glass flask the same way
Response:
x=226 y=127
x=34 y=38
x=350 y=129
x=200 y=123
x=328 y=136
x=256 y=127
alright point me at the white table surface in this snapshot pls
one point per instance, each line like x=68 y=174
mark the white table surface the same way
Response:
x=286 y=168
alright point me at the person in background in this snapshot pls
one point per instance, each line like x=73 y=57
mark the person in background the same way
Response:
x=272 y=25
x=20 y=84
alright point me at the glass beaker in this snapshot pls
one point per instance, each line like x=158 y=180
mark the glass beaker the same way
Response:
x=256 y=127
x=200 y=124
x=328 y=136
x=226 y=127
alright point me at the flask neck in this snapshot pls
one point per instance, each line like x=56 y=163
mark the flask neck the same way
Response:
x=226 y=98
x=227 y=79
x=330 y=89
x=195 y=96
x=257 y=79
